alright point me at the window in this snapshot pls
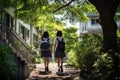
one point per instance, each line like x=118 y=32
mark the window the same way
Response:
x=11 y=22
x=2 y=16
x=35 y=37
x=93 y=22
x=35 y=40
x=7 y=19
x=24 y=31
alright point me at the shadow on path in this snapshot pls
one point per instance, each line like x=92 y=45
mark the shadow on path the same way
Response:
x=39 y=74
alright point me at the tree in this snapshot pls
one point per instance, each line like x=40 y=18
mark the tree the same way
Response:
x=73 y=9
x=107 y=13
x=71 y=37
x=107 y=10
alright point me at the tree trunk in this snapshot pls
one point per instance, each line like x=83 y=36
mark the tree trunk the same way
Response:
x=109 y=28
x=107 y=10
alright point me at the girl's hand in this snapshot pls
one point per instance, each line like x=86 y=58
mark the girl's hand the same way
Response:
x=40 y=50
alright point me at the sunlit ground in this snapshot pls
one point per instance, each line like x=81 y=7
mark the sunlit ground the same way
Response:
x=69 y=73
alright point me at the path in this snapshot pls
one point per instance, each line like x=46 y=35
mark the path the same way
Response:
x=68 y=74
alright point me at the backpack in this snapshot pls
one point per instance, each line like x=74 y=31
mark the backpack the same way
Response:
x=45 y=44
x=61 y=45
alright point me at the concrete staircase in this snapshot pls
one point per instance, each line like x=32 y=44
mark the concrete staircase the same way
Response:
x=22 y=53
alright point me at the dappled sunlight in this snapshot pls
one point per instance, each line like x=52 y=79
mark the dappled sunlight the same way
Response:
x=69 y=73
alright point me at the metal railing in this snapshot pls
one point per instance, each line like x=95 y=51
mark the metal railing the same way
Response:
x=18 y=45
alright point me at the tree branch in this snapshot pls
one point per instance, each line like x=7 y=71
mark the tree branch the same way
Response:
x=87 y=1
x=63 y=6
x=92 y=1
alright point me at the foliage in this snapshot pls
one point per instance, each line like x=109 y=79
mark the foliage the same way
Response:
x=38 y=59
x=6 y=65
x=118 y=9
x=103 y=67
x=85 y=53
x=93 y=64
x=83 y=50
x=71 y=37
x=118 y=38
x=39 y=12
x=72 y=60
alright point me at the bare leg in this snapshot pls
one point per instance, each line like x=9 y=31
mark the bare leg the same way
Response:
x=61 y=65
x=45 y=62
x=58 y=61
x=61 y=61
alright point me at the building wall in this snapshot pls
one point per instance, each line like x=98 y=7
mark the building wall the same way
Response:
x=18 y=24
x=21 y=52
x=10 y=10
x=92 y=26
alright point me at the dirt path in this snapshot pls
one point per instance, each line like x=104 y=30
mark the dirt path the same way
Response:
x=39 y=74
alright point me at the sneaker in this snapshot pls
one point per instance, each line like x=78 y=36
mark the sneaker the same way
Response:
x=61 y=68
x=58 y=70
x=47 y=69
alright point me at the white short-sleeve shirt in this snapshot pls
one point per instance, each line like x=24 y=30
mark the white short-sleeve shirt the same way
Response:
x=56 y=41
x=45 y=39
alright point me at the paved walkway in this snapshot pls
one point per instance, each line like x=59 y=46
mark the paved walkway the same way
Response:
x=39 y=74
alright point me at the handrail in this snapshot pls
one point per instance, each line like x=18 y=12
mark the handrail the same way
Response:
x=20 y=39
x=17 y=36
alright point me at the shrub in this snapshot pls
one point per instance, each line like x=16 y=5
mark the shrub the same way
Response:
x=7 y=67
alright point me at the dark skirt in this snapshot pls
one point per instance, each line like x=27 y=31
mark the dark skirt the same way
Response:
x=46 y=53
x=59 y=54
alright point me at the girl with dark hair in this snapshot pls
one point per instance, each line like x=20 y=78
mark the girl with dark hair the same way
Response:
x=59 y=50
x=46 y=49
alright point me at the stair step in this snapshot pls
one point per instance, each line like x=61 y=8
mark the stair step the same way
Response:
x=7 y=41
x=10 y=45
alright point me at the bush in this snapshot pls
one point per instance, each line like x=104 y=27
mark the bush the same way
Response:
x=85 y=54
x=6 y=65
x=103 y=67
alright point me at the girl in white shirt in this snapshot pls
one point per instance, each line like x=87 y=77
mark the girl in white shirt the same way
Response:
x=45 y=50
x=59 y=54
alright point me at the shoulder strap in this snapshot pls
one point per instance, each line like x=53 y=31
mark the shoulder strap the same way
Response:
x=59 y=40
x=42 y=39
x=47 y=39
x=62 y=39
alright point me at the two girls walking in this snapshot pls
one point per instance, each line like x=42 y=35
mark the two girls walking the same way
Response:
x=46 y=49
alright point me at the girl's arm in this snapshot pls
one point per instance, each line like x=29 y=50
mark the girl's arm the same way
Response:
x=40 y=47
x=55 y=45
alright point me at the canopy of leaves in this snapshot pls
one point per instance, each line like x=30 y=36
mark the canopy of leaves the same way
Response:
x=41 y=11
x=71 y=37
